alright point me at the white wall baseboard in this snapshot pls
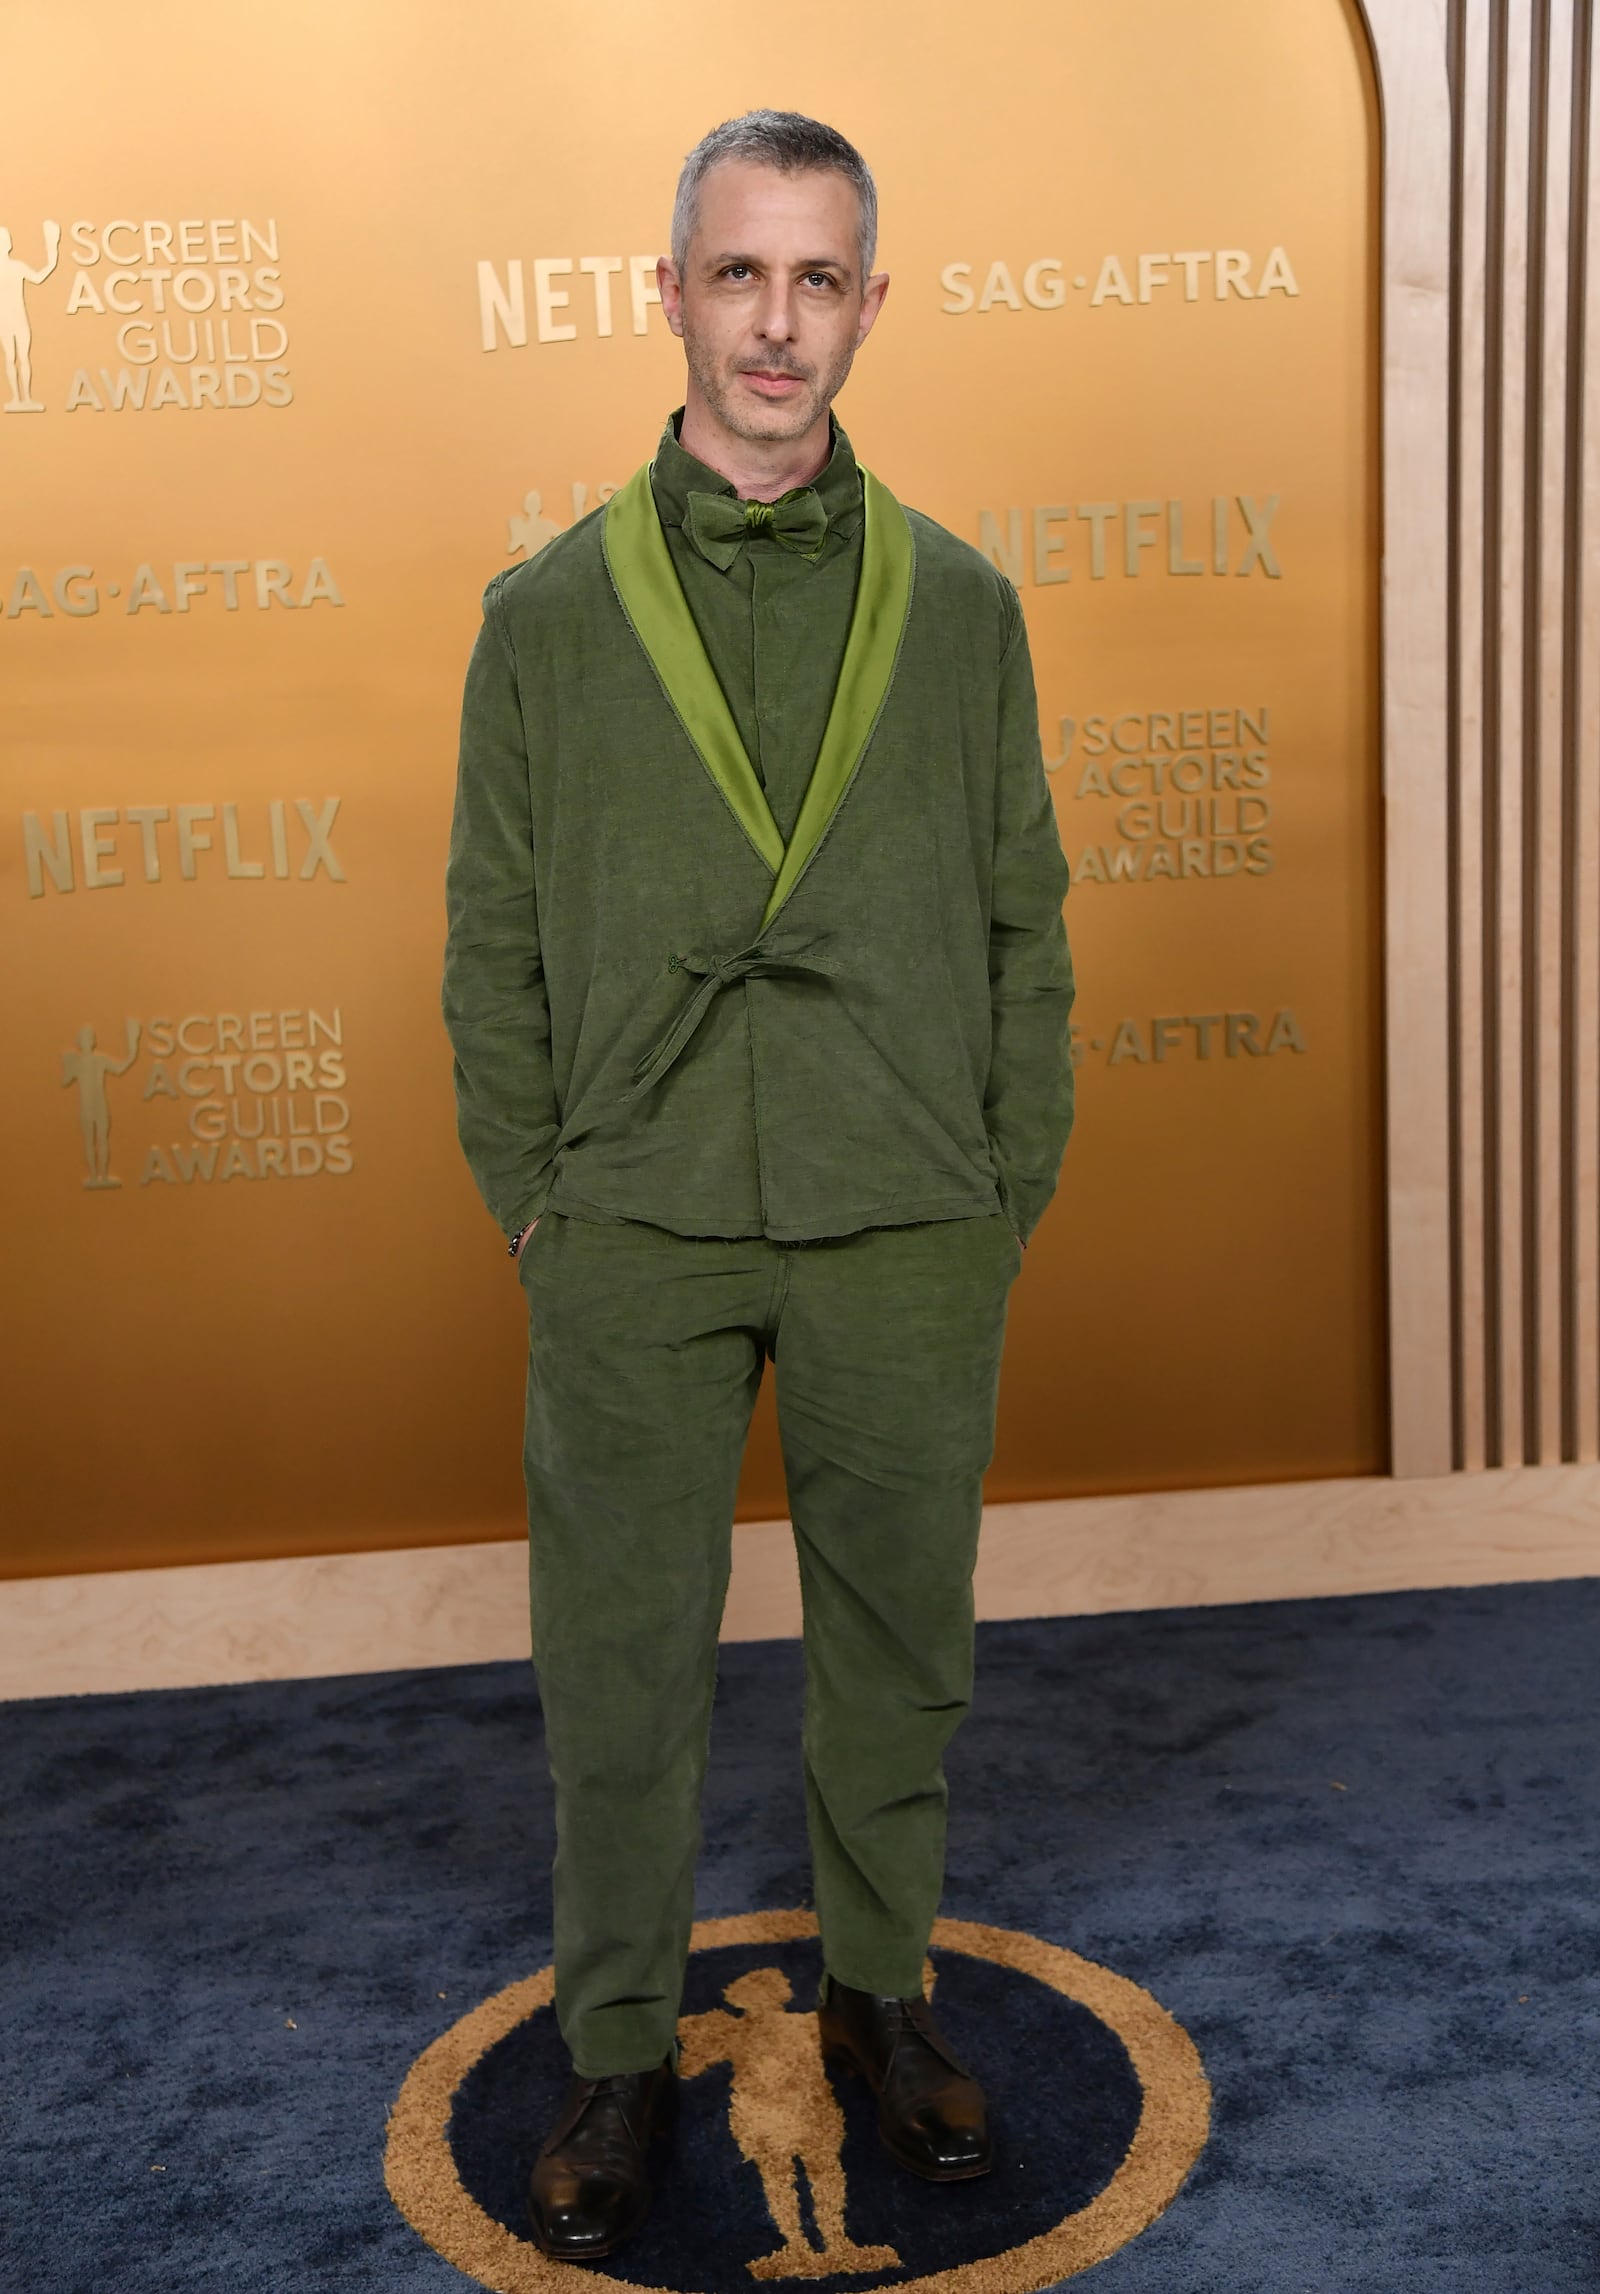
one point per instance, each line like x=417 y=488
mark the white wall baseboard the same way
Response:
x=460 y=1604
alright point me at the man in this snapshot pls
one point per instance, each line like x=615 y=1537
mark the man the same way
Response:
x=759 y=995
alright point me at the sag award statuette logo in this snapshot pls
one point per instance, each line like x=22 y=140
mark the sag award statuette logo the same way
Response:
x=533 y=529
x=779 y=2176
x=16 y=335
x=182 y=312
x=224 y=1095
x=88 y=1067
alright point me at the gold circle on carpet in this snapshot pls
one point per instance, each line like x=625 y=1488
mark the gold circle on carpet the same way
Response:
x=1174 y=2118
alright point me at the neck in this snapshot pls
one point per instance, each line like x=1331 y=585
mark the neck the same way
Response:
x=759 y=469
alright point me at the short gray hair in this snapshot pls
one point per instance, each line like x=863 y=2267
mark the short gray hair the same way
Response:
x=787 y=141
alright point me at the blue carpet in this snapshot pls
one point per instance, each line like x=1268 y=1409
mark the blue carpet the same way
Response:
x=1351 y=1845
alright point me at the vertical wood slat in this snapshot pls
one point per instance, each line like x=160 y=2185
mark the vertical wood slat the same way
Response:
x=1568 y=115
x=1471 y=71
x=1583 y=621
x=1505 y=635
x=1545 y=935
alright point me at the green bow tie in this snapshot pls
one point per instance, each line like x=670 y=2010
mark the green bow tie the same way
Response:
x=718 y=524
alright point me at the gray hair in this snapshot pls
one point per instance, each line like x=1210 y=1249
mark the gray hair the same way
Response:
x=787 y=141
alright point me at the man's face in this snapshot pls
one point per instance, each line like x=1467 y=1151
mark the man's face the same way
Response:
x=772 y=306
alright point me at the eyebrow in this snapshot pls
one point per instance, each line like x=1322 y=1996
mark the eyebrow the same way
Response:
x=809 y=263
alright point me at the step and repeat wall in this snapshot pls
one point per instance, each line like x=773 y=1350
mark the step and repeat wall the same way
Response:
x=313 y=319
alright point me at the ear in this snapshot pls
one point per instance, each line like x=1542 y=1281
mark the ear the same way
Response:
x=670 y=288
x=872 y=295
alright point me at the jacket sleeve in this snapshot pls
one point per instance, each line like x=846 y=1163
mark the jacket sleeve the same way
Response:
x=495 y=1007
x=1028 y=1105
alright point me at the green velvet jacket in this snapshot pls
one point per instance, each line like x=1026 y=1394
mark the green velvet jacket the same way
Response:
x=635 y=1036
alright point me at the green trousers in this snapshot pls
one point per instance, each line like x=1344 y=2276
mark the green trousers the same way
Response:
x=646 y=1350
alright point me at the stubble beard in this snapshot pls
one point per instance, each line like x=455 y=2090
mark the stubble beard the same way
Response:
x=743 y=418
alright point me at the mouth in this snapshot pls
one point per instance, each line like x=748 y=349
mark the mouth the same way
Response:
x=772 y=382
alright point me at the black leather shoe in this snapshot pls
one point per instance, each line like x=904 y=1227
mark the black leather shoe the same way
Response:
x=590 y=2188
x=931 y=2114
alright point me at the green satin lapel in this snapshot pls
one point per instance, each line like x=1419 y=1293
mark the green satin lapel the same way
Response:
x=883 y=600
x=648 y=589
x=652 y=597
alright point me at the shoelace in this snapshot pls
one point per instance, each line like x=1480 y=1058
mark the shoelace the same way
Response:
x=914 y=2016
x=615 y=2085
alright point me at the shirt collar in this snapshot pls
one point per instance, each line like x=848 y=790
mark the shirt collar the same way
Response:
x=676 y=473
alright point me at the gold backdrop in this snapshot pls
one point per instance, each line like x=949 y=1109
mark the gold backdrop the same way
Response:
x=317 y=316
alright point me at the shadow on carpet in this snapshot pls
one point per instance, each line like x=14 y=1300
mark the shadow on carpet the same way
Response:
x=1350 y=1845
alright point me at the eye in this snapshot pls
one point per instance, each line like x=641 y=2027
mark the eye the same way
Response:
x=819 y=279
x=736 y=271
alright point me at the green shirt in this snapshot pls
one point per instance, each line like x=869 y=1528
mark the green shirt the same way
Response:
x=895 y=1047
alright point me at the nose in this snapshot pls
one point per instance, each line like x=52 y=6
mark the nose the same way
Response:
x=775 y=316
